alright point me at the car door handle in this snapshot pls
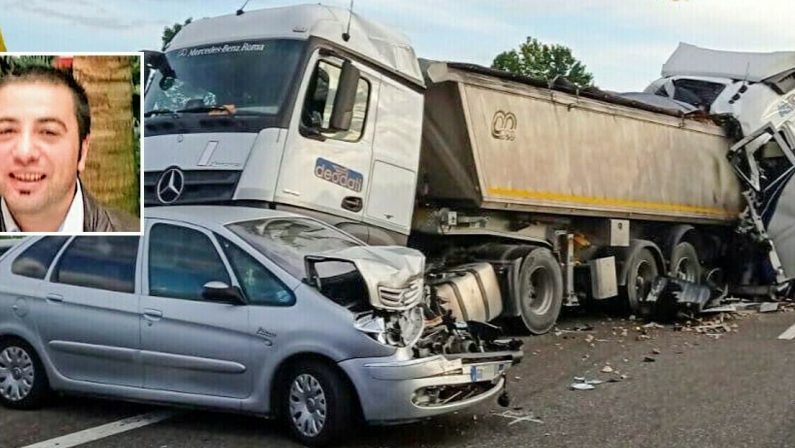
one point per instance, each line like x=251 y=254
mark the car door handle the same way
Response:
x=152 y=315
x=54 y=298
x=352 y=203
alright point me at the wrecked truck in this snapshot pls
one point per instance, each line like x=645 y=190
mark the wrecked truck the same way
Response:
x=752 y=95
x=524 y=195
x=246 y=310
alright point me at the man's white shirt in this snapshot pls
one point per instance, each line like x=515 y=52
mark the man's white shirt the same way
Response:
x=73 y=223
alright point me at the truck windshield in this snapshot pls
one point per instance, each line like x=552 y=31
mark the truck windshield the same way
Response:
x=247 y=77
x=287 y=241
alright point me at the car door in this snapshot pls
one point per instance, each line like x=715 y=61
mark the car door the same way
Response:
x=189 y=344
x=88 y=321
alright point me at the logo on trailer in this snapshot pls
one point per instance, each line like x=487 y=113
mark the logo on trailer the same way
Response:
x=170 y=185
x=503 y=125
x=338 y=175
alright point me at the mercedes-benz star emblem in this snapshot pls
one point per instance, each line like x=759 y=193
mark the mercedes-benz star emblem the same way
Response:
x=170 y=185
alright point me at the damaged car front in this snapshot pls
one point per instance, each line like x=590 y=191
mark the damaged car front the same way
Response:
x=437 y=364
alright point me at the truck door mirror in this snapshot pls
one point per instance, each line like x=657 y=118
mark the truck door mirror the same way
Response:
x=157 y=60
x=342 y=114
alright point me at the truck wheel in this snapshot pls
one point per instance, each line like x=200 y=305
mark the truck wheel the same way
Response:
x=540 y=290
x=685 y=264
x=318 y=406
x=23 y=380
x=642 y=271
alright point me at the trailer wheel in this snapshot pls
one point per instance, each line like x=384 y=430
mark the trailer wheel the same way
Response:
x=540 y=290
x=642 y=271
x=685 y=264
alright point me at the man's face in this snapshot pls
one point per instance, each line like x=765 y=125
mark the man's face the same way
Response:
x=39 y=147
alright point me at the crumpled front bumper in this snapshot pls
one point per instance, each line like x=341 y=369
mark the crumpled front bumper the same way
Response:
x=390 y=389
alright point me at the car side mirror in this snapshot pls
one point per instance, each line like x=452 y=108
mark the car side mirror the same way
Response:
x=344 y=100
x=221 y=292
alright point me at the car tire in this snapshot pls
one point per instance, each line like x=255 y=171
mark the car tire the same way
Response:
x=318 y=405
x=642 y=272
x=540 y=290
x=23 y=380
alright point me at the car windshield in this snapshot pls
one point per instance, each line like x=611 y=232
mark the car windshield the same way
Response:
x=248 y=77
x=287 y=241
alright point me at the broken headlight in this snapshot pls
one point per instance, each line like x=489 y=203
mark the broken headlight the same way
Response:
x=395 y=329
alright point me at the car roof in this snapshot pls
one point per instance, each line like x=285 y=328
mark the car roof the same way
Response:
x=214 y=215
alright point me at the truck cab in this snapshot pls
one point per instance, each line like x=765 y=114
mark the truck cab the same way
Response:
x=308 y=108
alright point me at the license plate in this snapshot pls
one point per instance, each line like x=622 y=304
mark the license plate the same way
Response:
x=485 y=372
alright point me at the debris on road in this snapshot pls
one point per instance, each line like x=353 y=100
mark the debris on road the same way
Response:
x=649 y=359
x=582 y=386
x=668 y=296
x=768 y=307
x=517 y=416
x=607 y=369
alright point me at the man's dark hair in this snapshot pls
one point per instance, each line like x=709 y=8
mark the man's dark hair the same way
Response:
x=50 y=75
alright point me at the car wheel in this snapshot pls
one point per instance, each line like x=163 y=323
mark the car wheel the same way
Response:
x=643 y=270
x=685 y=264
x=540 y=290
x=23 y=381
x=318 y=404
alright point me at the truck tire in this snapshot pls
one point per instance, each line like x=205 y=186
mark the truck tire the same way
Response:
x=642 y=271
x=318 y=404
x=23 y=383
x=540 y=290
x=685 y=264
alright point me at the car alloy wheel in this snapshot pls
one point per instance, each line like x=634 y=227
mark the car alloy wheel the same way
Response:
x=17 y=373
x=307 y=405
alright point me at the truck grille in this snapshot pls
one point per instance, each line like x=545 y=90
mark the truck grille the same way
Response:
x=200 y=186
x=401 y=298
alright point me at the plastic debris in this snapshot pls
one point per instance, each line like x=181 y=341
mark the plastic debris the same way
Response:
x=519 y=416
x=768 y=307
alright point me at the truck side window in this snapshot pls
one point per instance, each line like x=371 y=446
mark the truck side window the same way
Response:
x=319 y=103
x=181 y=262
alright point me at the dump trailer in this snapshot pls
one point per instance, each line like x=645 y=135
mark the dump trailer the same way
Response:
x=616 y=192
x=523 y=195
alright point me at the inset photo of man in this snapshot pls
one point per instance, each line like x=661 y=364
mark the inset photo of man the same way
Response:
x=70 y=143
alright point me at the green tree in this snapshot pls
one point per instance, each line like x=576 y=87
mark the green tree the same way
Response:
x=539 y=60
x=170 y=31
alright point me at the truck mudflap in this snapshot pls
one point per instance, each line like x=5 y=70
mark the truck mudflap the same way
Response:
x=765 y=163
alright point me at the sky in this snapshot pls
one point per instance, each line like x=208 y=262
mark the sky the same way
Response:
x=622 y=42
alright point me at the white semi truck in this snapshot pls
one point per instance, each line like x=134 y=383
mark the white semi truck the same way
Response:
x=560 y=195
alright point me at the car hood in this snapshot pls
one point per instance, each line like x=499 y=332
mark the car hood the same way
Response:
x=393 y=274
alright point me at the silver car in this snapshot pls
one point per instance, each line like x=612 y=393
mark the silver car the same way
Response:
x=240 y=309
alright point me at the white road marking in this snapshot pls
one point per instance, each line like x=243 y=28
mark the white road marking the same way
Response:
x=788 y=334
x=100 y=432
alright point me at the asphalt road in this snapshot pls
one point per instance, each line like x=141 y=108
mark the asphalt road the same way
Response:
x=700 y=391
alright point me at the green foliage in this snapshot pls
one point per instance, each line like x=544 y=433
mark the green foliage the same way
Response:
x=170 y=31
x=9 y=63
x=539 y=60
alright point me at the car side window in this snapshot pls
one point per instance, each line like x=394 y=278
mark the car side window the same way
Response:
x=36 y=259
x=181 y=262
x=259 y=285
x=319 y=104
x=101 y=262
